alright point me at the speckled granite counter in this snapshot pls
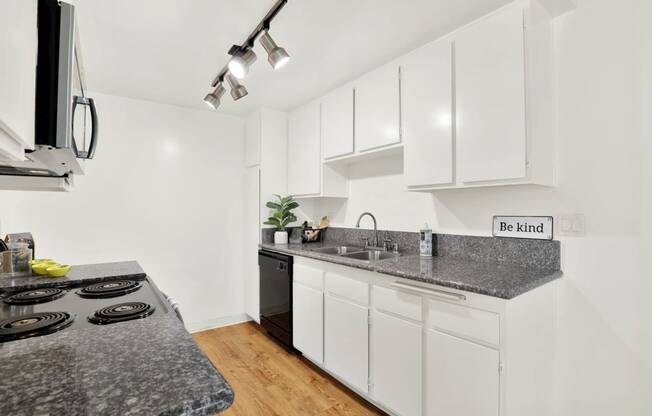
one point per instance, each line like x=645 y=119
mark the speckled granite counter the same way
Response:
x=87 y=273
x=498 y=279
x=150 y=366
x=143 y=367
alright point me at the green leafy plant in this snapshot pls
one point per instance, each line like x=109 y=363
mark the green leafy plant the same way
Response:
x=283 y=212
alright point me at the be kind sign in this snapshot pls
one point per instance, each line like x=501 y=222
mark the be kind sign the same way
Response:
x=539 y=228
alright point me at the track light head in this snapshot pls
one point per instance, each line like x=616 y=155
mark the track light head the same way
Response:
x=243 y=56
x=237 y=90
x=240 y=63
x=212 y=99
x=276 y=55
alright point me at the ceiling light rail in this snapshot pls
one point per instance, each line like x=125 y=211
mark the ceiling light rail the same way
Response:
x=243 y=57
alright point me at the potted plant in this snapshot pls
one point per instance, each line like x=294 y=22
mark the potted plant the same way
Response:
x=282 y=216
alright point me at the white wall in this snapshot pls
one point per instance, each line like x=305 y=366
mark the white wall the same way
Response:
x=161 y=190
x=604 y=86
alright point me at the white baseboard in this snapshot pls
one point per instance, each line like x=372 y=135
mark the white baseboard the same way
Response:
x=217 y=322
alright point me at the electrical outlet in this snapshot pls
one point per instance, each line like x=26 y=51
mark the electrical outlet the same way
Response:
x=572 y=225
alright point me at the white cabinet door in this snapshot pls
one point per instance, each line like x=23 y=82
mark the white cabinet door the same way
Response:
x=490 y=98
x=462 y=378
x=337 y=122
x=396 y=363
x=426 y=84
x=346 y=341
x=18 y=43
x=252 y=239
x=253 y=136
x=304 y=152
x=308 y=321
x=377 y=108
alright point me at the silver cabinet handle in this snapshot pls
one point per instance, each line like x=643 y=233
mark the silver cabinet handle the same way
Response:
x=433 y=292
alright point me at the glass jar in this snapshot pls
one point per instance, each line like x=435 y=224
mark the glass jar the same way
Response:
x=16 y=260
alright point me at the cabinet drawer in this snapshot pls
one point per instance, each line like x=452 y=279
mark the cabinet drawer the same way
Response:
x=395 y=301
x=309 y=276
x=345 y=287
x=465 y=321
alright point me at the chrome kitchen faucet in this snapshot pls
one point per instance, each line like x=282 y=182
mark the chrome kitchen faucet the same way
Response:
x=357 y=225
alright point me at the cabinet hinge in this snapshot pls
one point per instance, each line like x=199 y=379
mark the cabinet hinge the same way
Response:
x=500 y=367
x=369 y=382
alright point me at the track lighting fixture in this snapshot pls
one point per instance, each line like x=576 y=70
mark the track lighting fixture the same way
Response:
x=212 y=99
x=276 y=55
x=237 y=90
x=240 y=63
x=243 y=56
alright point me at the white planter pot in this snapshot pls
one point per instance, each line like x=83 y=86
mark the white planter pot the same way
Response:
x=281 y=237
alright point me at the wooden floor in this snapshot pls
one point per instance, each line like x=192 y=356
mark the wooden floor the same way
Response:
x=268 y=380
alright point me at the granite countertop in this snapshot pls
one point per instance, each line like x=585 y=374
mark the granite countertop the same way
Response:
x=501 y=280
x=149 y=366
x=86 y=273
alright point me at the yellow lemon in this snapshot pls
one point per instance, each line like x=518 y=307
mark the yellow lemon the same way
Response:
x=58 y=270
x=41 y=268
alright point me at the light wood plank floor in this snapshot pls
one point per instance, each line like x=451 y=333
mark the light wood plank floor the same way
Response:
x=268 y=380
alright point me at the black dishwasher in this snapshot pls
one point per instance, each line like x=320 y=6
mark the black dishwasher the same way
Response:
x=276 y=295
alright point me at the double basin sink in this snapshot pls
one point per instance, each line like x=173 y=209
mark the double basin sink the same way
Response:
x=357 y=253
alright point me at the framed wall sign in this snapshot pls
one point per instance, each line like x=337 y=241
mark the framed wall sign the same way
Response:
x=538 y=228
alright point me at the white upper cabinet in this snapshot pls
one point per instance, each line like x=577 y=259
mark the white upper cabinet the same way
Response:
x=426 y=85
x=473 y=108
x=490 y=98
x=377 y=108
x=18 y=47
x=307 y=177
x=337 y=122
x=253 y=136
x=304 y=150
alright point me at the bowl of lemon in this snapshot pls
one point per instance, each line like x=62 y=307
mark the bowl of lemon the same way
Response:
x=49 y=267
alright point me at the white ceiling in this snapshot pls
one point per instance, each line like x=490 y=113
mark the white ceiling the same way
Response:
x=168 y=51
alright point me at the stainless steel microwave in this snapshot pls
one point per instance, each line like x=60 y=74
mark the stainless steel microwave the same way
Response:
x=66 y=122
x=65 y=117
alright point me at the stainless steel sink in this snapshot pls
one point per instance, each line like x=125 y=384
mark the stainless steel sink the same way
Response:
x=338 y=250
x=371 y=255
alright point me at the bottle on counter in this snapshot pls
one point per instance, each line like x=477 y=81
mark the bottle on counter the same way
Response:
x=425 y=241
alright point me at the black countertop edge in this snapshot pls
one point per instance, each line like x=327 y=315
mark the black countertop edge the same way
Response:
x=504 y=281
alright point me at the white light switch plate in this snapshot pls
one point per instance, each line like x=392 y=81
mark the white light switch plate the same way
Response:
x=573 y=225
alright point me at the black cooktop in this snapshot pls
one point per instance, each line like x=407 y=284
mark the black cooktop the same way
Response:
x=43 y=311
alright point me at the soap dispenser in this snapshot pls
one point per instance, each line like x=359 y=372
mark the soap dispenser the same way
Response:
x=425 y=241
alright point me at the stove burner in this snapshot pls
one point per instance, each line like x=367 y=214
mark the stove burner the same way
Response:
x=35 y=296
x=109 y=289
x=121 y=312
x=34 y=325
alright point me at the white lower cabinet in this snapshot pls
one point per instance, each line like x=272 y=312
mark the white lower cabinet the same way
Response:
x=346 y=341
x=462 y=377
x=308 y=321
x=396 y=363
x=415 y=349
